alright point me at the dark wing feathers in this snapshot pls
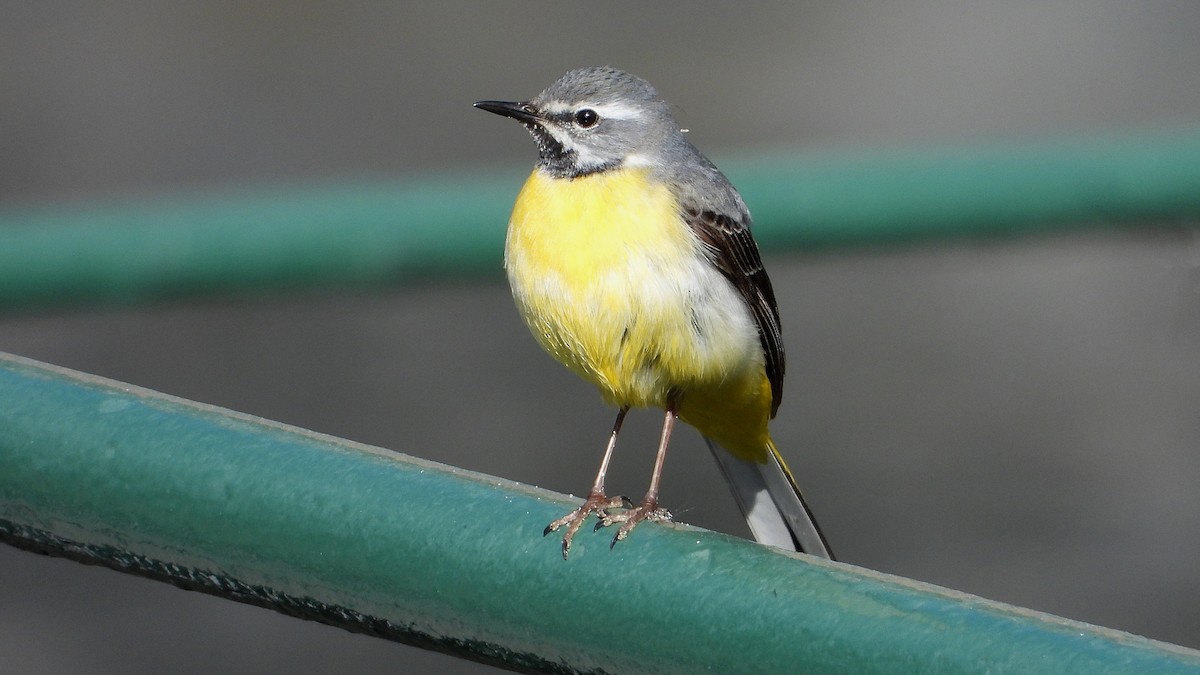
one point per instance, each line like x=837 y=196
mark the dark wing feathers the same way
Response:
x=733 y=251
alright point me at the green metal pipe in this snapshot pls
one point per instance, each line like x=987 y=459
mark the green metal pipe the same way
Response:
x=371 y=233
x=387 y=544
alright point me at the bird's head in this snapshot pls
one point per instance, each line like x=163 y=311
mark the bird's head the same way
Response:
x=594 y=119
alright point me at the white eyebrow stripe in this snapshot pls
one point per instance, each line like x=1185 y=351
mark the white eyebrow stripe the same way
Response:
x=617 y=111
x=556 y=108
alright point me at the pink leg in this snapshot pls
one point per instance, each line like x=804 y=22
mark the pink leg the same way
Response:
x=596 y=501
x=648 y=509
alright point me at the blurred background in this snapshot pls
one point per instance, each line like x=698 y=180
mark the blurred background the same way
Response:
x=1014 y=418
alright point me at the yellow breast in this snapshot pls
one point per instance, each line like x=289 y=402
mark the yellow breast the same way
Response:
x=614 y=284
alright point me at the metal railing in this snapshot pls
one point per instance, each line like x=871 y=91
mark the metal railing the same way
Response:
x=387 y=544
x=376 y=233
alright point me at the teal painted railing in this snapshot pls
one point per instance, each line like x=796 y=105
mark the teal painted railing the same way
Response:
x=395 y=546
x=375 y=233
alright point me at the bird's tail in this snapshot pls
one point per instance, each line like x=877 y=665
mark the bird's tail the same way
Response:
x=768 y=496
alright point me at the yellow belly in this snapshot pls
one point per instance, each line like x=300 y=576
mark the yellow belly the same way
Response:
x=614 y=285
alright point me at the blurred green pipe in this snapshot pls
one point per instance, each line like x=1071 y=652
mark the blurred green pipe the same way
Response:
x=386 y=544
x=374 y=233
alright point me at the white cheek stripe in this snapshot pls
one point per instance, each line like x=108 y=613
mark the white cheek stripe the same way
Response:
x=583 y=154
x=564 y=139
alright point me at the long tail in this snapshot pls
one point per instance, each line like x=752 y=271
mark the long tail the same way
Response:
x=769 y=498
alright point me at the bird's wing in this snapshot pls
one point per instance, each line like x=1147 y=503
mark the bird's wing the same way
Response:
x=732 y=250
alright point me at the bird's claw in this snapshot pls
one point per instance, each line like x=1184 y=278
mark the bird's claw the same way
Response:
x=646 y=511
x=596 y=503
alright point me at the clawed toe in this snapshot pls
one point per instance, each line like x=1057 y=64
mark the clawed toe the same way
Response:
x=629 y=518
x=596 y=503
x=609 y=511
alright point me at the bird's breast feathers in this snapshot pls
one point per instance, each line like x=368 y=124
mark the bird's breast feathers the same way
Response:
x=616 y=286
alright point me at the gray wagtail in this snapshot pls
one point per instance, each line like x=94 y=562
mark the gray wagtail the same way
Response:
x=631 y=260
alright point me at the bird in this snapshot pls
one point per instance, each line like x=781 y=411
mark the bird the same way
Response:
x=631 y=260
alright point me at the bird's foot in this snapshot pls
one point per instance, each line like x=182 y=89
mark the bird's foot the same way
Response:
x=598 y=503
x=648 y=510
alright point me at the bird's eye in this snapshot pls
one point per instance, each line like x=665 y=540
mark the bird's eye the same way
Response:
x=587 y=118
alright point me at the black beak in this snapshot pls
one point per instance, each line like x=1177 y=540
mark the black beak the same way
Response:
x=521 y=112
